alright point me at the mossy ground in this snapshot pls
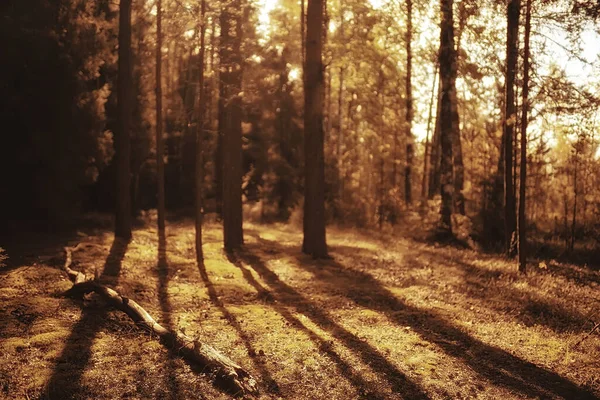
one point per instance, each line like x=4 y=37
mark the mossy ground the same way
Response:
x=385 y=318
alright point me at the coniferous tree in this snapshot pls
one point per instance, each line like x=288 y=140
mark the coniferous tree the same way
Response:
x=199 y=176
x=314 y=158
x=230 y=123
x=523 y=172
x=160 y=149
x=510 y=119
x=122 y=140
x=447 y=59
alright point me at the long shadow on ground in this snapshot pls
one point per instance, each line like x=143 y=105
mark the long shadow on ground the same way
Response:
x=166 y=308
x=266 y=379
x=491 y=363
x=289 y=297
x=532 y=308
x=65 y=382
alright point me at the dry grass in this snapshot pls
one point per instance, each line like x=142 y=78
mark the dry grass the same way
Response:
x=385 y=318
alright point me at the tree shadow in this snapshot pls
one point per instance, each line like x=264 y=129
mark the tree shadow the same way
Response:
x=289 y=297
x=171 y=380
x=492 y=363
x=65 y=382
x=532 y=308
x=266 y=378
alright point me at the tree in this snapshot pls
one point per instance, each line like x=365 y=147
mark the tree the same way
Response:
x=230 y=125
x=199 y=181
x=447 y=60
x=523 y=171
x=510 y=118
x=160 y=148
x=314 y=158
x=122 y=142
x=409 y=106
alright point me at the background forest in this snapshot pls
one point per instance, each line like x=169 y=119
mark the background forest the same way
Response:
x=381 y=114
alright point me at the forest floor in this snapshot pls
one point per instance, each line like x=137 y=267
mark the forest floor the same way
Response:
x=385 y=318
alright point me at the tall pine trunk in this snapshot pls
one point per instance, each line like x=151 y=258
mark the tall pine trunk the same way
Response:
x=427 y=144
x=523 y=172
x=314 y=242
x=512 y=36
x=200 y=107
x=231 y=123
x=447 y=59
x=409 y=107
x=123 y=139
x=434 y=159
x=160 y=146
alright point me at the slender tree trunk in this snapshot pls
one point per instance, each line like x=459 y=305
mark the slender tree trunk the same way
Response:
x=314 y=197
x=340 y=138
x=123 y=140
x=575 y=196
x=231 y=77
x=512 y=35
x=199 y=184
x=409 y=107
x=160 y=145
x=435 y=158
x=426 y=157
x=447 y=57
x=303 y=35
x=524 y=116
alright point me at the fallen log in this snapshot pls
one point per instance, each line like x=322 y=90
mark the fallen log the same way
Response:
x=227 y=373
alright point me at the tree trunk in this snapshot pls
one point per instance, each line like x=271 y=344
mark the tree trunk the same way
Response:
x=575 y=195
x=447 y=60
x=434 y=164
x=512 y=35
x=123 y=140
x=314 y=242
x=199 y=175
x=409 y=107
x=231 y=128
x=523 y=172
x=427 y=145
x=160 y=146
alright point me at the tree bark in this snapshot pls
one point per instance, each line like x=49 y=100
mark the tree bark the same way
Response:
x=512 y=35
x=523 y=172
x=314 y=242
x=447 y=60
x=434 y=164
x=409 y=107
x=160 y=146
x=123 y=140
x=427 y=145
x=199 y=175
x=231 y=123
x=229 y=374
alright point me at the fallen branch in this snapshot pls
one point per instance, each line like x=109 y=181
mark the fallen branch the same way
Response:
x=232 y=376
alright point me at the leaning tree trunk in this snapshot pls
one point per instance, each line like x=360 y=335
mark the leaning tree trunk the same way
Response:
x=314 y=242
x=447 y=60
x=512 y=35
x=199 y=181
x=435 y=154
x=228 y=374
x=123 y=140
x=427 y=144
x=524 y=116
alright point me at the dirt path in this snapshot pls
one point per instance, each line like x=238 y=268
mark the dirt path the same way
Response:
x=384 y=319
